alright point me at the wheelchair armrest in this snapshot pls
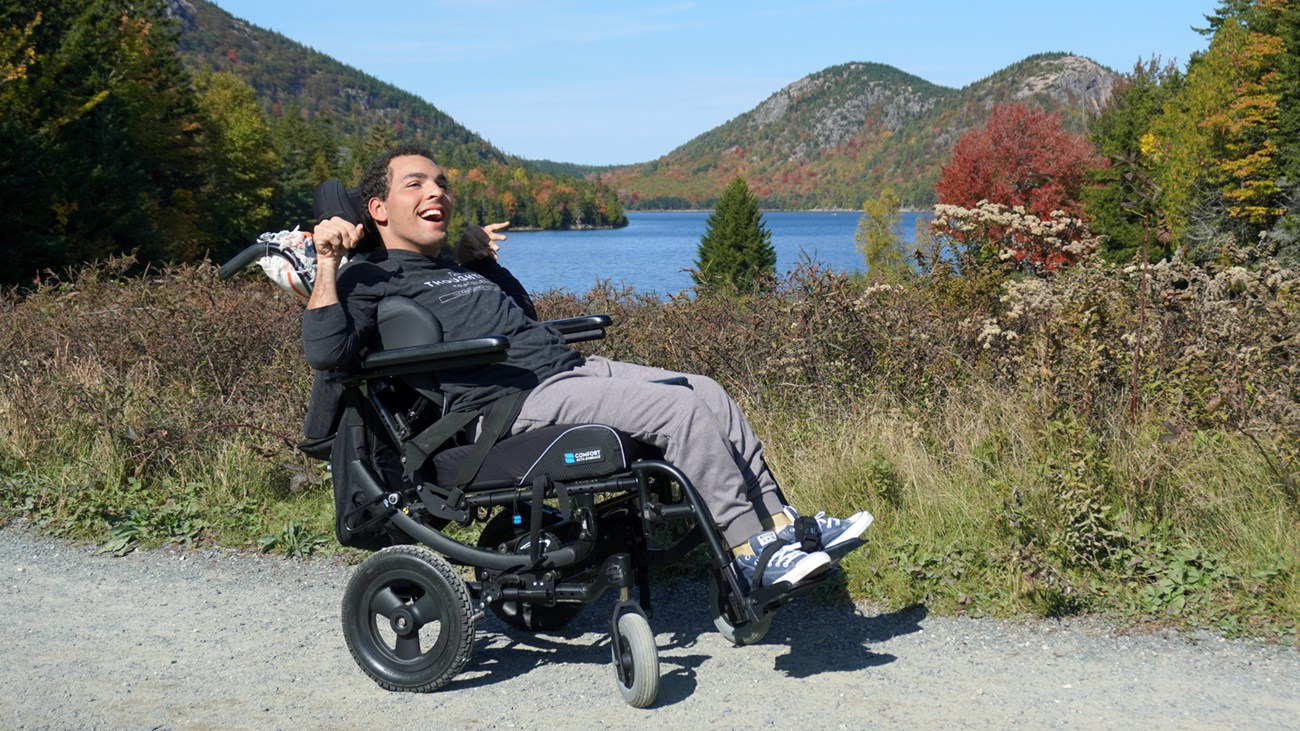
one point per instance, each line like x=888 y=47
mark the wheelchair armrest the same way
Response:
x=428 y=358
x=581 y=328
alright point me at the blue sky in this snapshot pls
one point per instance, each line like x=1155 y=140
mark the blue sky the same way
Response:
x=625 y=82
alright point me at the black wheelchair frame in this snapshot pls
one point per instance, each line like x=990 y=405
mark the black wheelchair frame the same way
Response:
x=553 y=539
x=551 y=543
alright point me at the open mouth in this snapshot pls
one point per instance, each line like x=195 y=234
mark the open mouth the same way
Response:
x=434 y=215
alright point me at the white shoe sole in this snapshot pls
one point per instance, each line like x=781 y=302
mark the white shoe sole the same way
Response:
x=858 y=524
x=813 y=564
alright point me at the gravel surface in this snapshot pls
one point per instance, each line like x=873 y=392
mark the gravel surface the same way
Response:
x=224 y=640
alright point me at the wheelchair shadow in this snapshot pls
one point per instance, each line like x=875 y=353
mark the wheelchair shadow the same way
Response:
x=829 y=633
x=824 y=633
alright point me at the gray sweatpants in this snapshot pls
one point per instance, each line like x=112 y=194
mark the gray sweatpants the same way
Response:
x=699 y=428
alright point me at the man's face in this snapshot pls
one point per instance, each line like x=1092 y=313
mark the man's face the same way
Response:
x=417 y=211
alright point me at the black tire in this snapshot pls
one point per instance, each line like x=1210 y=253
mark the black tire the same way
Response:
x=635 y=652
x=526 y=616
x=737 y=633
x=408 y=620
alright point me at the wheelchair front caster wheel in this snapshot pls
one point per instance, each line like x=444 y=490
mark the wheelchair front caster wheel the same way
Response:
x=408 y=619
x=737 y=631
x=636 y=661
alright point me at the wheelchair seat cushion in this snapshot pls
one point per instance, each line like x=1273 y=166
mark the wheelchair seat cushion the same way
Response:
x=564 y=452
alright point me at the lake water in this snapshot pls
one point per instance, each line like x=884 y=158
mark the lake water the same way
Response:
x=652 y=253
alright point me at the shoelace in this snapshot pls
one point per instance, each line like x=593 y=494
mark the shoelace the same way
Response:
x=785 y=557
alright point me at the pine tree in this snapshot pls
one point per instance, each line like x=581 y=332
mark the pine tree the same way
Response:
x=736 y=249
x=98 y=140
x=1214 y=150
x=1120 y=200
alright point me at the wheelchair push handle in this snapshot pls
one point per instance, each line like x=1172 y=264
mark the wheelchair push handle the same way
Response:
x=287 y=257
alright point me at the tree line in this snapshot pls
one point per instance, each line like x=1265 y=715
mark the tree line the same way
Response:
x=109 y=145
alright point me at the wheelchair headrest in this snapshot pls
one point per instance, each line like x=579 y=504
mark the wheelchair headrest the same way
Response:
x=404 y=323
x=331 y=198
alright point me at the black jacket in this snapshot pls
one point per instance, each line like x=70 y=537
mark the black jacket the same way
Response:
x=468 y=301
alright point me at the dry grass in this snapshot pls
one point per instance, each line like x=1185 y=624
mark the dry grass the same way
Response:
x=987 y=429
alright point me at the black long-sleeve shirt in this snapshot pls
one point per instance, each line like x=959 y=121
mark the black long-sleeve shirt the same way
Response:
x=472 y=301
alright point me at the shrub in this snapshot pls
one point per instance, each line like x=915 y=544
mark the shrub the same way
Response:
x=1017 y=455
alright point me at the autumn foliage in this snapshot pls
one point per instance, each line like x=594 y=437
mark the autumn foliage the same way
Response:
x=1024 y=161
x=1022 y=157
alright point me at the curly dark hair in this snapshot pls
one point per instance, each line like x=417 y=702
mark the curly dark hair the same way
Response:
x=376 y=179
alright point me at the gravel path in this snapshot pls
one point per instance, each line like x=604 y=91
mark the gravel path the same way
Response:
x=223 y=640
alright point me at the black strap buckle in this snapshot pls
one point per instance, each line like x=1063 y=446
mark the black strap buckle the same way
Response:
x=808 y=534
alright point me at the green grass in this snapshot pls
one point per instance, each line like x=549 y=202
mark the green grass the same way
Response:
x=982 y=509
x=1006 y=480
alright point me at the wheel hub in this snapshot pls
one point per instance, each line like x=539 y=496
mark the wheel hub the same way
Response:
x=403 y=623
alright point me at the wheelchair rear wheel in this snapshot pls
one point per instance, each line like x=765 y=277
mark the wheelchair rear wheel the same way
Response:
x=737 y=631
x=636 y=659
x=408 y=620
x=499 y=531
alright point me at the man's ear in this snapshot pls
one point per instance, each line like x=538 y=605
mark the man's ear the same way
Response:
x=377 y=210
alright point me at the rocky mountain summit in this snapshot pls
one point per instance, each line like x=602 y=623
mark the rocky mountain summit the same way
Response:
x=836 y=137
x=828 y=140
x=1069 y=80
x=854 y=94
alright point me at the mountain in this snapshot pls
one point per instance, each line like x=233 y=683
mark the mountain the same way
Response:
x=829 y=140
x=836 y=137
x=286 y=74
x=316 y=97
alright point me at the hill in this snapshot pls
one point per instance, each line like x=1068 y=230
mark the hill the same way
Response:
x=361 y=115
x=829 y=140
x=836 y=137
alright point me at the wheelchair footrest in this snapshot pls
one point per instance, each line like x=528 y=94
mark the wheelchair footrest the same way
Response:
x=768 y=598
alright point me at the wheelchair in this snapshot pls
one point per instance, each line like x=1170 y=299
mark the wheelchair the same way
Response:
x=566 y=513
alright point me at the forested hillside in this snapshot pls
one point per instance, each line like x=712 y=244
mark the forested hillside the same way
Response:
x=331 y=118
x=836 y=137
x=169 y=129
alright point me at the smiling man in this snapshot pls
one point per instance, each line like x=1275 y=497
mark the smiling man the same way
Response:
x=697 y=426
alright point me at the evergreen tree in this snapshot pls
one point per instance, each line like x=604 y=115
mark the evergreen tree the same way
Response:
x=309 y=155
x=98 y=142
x=736 y=249
x=1120 y=201
x=1213 y=150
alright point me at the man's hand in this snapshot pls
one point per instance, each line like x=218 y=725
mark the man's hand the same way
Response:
x=480 y=242
x=333 y=240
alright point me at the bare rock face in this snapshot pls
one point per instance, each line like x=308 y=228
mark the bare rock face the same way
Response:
x=1071 y=80
x=183 y=12
x=835 y=105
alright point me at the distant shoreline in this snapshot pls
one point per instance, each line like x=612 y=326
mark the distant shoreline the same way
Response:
x=773 y=210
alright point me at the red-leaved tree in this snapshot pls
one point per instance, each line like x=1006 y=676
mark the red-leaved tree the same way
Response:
x=1021 y=157
x=1025 y=161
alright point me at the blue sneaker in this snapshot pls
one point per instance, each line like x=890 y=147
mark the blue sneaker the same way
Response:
x=838 y=536
x=786 y=562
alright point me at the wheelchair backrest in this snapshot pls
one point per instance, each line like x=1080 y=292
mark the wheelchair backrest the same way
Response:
x=404 y=323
